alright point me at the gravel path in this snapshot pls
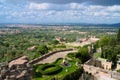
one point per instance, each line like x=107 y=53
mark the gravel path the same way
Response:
x=55 y=56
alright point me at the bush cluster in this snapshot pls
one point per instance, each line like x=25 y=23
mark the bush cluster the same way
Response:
x=49 y=69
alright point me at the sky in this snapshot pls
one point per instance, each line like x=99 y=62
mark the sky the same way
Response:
x=60 y=11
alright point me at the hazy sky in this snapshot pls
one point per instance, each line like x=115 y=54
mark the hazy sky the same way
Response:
x=59 y=11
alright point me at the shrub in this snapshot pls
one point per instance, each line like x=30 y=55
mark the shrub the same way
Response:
x=58 y=61
x=74 y=75
x=49 y=69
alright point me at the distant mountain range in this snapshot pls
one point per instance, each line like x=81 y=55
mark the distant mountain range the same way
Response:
x=67 y=24
x=83 y=24
x=109 y=25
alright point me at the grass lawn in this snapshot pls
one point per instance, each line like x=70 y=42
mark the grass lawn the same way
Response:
x=49 y=69
x=96 y=55
x=64 y=72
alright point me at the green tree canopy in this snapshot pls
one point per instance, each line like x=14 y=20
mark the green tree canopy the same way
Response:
x=83 y=54
x=118 y=36
x=55 y=42
x=105 y=40
x=42 y=49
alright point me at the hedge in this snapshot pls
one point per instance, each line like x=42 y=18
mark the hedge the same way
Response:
x=44 y=69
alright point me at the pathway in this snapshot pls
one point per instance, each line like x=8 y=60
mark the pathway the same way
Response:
x=55 y=56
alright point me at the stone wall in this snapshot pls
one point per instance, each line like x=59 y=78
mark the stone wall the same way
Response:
x=94 y=62
x=47 y=55
x=115 y=75
x=102 y=64
x=17 y=69
x=93 y=66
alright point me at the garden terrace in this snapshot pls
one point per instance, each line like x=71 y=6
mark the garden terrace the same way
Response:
x=52 y=56
x=55 y=70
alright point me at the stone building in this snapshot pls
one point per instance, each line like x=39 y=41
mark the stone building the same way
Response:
x=100 y=62
x=61 y=39
x=118 y=64
x=17 y=69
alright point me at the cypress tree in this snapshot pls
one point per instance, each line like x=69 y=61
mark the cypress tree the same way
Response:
x=118 y=36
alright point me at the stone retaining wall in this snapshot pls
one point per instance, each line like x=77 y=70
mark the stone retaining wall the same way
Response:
x=47 y=55
x=115 y=75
